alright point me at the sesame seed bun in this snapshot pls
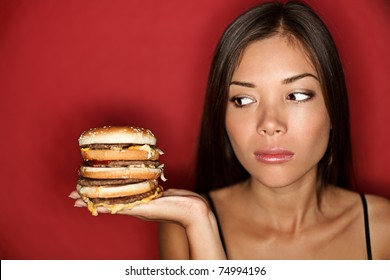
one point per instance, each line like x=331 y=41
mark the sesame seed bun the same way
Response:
x=117 y=135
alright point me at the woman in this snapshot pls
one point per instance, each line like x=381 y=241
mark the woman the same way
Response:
x=274 y=157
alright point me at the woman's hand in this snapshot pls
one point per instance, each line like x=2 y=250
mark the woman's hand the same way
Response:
x=176 y=206
x=186 y=208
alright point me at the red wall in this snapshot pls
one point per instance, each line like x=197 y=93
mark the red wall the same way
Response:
x=66 y=66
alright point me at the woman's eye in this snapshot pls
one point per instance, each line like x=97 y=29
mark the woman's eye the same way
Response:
x=299 y=96
x=242 y=101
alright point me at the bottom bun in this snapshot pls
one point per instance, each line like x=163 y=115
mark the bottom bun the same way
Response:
x=125 y=190
x=115 y=205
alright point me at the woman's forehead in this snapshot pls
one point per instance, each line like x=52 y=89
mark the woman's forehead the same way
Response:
x=276 y=54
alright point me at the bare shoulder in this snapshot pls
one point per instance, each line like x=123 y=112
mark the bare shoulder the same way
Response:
x=379 y=205
x=173 y=242
x=379 y=220
x=378 y=202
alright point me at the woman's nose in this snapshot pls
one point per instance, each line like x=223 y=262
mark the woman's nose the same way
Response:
x=271 y=121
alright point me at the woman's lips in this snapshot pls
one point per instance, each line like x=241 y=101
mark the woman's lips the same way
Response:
x=274 y=155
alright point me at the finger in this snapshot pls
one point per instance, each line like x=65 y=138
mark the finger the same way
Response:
x=74 y=194
x=80 y=203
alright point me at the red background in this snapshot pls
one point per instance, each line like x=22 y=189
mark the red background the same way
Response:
x=66 y=66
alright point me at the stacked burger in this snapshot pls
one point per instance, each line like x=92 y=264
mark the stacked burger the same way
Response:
x=121 y=168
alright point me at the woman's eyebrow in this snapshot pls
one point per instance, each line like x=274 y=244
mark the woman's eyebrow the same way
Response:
x=242 y=84
x=297 y=77
x=284 y=81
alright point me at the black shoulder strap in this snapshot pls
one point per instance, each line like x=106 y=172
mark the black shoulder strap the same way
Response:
x=366 y=227
x=212 y=207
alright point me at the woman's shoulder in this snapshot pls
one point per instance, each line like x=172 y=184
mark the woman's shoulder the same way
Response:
x=347 y=203
x=378 y=214
x=375 y=203
x=379 y=211
x=378 y=207
x=379 y=221
x=378 y=204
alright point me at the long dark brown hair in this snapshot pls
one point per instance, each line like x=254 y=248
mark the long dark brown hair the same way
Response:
x=217 y=165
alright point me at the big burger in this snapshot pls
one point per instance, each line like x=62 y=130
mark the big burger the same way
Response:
x=120 y=168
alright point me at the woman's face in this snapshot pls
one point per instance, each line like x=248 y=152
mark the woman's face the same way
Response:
x=276 y=117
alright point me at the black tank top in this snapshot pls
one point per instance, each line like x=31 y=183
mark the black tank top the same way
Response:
x=366 y=224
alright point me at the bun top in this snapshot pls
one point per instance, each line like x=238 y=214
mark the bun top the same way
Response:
x=117 y=135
